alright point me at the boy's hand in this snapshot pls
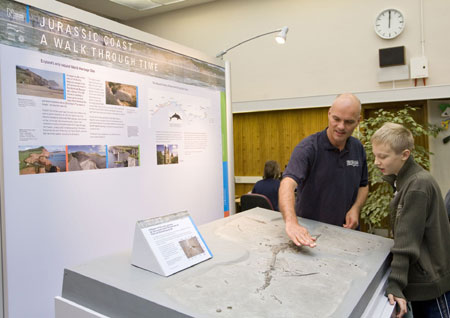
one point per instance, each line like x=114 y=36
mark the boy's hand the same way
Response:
x=401 y=303
x=352 y=218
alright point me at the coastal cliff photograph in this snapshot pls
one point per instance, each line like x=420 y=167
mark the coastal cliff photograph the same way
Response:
x=41 y=159
x=41 y=83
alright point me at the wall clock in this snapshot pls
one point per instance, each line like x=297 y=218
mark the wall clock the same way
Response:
x=389 y=23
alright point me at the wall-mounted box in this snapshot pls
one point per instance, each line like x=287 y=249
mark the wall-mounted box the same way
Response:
x=419 y=67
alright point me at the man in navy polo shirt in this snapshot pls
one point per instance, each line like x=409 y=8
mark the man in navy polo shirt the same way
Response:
x=329 y=170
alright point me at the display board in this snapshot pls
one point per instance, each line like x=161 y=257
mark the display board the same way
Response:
x=99 y=130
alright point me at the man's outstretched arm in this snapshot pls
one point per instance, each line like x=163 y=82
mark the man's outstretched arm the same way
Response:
x=286 y=197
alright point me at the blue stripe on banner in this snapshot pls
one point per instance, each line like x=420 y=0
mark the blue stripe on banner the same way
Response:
x=226 y=199
x=201 y=237
x=28 y=14
x=106 y=147
x=64 y=84
x=137 y=105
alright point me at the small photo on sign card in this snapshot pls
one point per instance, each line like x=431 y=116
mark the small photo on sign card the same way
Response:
x=168 y=244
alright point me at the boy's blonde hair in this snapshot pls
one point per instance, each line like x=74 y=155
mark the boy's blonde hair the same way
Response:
x=398 y=137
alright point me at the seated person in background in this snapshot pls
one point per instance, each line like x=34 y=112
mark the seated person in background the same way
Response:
x=270 y=183
x=421 y=256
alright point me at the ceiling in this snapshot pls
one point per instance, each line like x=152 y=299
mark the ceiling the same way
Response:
x=121 y=13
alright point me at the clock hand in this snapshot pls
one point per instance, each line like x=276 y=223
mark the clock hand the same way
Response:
x=389 y=25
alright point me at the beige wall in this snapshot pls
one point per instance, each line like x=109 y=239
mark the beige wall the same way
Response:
x=331 y=48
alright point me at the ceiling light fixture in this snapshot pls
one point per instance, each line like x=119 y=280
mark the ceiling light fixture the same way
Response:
x=167 y=2
x=142 y=5
x=280 y=38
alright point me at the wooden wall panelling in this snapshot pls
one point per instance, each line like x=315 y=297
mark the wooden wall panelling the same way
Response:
x=271 y=135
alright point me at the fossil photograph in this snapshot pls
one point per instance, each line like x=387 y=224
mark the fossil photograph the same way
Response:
x=120 y=94
x=191 y=247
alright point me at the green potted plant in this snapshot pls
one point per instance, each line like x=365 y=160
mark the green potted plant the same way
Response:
x=380 y=193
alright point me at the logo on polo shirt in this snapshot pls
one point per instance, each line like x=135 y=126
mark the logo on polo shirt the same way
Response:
x=353 y=163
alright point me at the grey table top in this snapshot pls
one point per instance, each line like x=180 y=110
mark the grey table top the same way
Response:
x=255 y=272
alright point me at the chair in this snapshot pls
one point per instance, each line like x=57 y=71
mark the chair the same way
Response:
x=447 y=203
x=253 y=200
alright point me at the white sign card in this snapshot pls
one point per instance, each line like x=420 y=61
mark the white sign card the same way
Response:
x=168 y=244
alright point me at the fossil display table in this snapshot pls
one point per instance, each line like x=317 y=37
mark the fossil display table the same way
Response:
x=255 y=272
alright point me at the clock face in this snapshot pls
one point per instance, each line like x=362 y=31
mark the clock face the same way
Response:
x=389 y=23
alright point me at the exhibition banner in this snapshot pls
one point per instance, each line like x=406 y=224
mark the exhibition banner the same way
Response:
x=99 y=130
x=34 y=29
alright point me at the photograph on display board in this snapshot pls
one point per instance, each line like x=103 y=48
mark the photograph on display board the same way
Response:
x=120 y=94
x=123 y=156
x=40 y=83
x=166 y=154
x=43 y=159
x=191 y=247
x=86 y=157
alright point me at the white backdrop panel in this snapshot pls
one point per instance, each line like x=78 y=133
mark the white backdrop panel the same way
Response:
x=55 y=220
